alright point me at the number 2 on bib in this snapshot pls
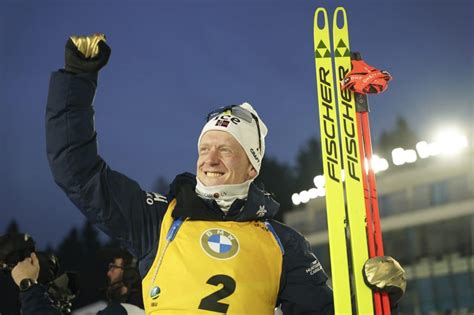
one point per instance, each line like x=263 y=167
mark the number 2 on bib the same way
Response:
x=211 y=302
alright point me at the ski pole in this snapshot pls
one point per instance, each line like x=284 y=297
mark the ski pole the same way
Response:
x=374 y=231
x=367 y=196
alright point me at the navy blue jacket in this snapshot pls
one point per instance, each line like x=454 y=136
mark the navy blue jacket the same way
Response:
x=118 y=206
x=35 y=301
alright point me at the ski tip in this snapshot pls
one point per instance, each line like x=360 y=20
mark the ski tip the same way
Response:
x=340 y=9
x=318 y=21
x=340 y=16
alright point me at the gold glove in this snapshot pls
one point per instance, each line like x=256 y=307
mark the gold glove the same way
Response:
x=384 y=272
x=86 y=54
x=88 y=45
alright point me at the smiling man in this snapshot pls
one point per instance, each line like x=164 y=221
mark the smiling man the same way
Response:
x=211 y=245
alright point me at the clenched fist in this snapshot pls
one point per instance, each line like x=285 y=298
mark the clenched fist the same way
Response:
x=27 y=269
x=86 y=54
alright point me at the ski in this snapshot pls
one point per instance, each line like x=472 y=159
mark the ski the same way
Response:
x=351 y=202
x=328 y=121
x=352 y=162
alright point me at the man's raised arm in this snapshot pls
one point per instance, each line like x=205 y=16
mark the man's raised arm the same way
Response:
x=115 y=203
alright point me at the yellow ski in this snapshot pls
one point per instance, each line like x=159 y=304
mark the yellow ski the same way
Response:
x=336 y=216
x=352 y=160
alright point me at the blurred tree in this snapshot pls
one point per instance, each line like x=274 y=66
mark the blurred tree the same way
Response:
x=401 y=136
x=12 y=228
x=308 y=164
x=90 y=237
x=49 y=249
x=278 y=180
x=93 y=270
x=9 y=301
x=70 y=251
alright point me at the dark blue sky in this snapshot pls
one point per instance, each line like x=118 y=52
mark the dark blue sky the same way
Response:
x=173 y=61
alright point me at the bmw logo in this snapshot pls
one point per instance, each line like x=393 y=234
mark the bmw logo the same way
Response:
x=219 y=244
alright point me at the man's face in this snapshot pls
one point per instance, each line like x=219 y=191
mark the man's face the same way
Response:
x=222 y=160
x=115 y=272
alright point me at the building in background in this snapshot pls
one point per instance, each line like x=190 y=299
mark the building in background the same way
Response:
x=427 y=218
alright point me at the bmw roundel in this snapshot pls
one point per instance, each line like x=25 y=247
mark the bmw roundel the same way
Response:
x=219 y=244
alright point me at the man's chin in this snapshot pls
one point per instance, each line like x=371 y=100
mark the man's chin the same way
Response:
x=209 y=181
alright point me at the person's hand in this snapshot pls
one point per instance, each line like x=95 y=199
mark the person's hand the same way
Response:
x=86 y=54
x=27 y=269
x=385 y=274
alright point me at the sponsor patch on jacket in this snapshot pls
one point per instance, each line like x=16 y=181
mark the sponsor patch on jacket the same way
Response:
x=314 y=268
x=219 y=244
x=152 y=197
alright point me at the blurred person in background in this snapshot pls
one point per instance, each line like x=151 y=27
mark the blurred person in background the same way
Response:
x=33 y=295
x=124 y=294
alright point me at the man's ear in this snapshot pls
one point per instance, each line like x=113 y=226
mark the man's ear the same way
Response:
x=252 y=172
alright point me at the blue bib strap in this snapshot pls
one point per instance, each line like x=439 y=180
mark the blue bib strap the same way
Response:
x=270 y=228
x=174 y=229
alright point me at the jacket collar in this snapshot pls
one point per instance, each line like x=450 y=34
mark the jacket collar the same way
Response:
x=258 y=206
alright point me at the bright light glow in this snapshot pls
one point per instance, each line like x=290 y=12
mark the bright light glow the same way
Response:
x=319 y=181
x=366 y=166
x=398 y=156
x=451 y=141
x=378 y=164
x=313 y=193
x=322 y=192
x=448 y=142
x=304 y=196
x=434 y=148
x=423 y=149
x=295 y=198
x=410 y=156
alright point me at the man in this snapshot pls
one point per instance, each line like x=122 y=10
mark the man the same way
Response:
x=33 y=296
x=209 y=246
x=124 y=289
x=123 y=292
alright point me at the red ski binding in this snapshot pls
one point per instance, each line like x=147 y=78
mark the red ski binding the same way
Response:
x=365 y=79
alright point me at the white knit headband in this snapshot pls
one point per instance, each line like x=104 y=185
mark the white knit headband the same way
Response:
x=246 y=133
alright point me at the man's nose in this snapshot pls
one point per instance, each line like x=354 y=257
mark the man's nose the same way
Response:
x=213 y=157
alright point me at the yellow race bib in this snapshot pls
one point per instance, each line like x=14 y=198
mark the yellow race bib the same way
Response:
x=213 y=267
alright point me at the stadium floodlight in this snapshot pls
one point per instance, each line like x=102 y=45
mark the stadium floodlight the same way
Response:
x=410 y=156
x=423 y=149
x=313 y=193
x=378 y=164
x=319 y=181
x=322 y=192
x=304 y=196
x=451 y=141
x=398 y=156
x=295 y=198
x=448 y=142
x=434 y=149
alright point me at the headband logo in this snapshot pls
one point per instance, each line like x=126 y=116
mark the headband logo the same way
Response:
x=222 y=123
x=254 y=155
x=224 y=120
